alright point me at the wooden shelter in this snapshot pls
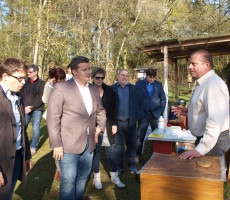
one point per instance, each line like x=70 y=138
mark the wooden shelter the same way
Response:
x=170 y=51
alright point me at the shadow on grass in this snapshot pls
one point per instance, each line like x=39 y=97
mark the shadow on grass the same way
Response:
x=39 y=179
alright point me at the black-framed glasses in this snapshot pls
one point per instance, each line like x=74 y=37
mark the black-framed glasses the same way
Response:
x=99 y=78
x=20 y=79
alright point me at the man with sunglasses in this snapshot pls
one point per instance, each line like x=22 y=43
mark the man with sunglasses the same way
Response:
x=14 y=144
x=34 y=106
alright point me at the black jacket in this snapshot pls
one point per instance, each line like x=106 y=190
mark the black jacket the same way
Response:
x=32 y=94
x=110 y=105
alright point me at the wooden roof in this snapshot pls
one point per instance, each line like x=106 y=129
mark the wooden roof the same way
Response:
x=182 y=49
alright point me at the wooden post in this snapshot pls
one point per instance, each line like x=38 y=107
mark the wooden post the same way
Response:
x=176 y=79
x=165 y=50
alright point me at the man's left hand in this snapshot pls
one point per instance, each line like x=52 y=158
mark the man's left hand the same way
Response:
x=28 y=165
x=190 y=154
x=97 y=132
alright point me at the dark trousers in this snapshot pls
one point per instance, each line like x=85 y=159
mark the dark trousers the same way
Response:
x=142 y=129
x=221 y=147
x=110 y=153
x=130 y=136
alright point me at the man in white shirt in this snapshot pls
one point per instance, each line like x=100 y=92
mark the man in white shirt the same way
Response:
x=208 y=111
x=75 y=117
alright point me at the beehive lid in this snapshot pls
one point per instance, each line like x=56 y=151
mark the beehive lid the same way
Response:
x=171 y=165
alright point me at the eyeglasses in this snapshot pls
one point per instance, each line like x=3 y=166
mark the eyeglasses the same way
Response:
x=20 y=79
x=99 y=78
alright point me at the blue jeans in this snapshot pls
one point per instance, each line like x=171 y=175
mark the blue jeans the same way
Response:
x=130 y=134
x=142 y=129
x=36 y=121
x=110 y=153
x=17 y=171
x=75 y=169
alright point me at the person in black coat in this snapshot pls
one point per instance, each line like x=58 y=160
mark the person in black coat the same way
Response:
x=107 y=139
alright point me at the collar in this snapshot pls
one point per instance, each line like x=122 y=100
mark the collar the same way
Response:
x=8 y=93
x=118 y=84
x=87 y=84
x=147 y=82
x=205 y=77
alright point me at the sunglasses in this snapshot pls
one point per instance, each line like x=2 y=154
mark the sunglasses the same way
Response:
x=99 y=78
x=20 y=79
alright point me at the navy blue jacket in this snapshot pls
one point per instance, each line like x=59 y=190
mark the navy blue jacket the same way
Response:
x=157 y=101
x=135 y=103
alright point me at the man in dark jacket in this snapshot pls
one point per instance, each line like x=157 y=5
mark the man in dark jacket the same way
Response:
x=129 y=111
x=32 y=94
x=154 y=102
x=14 y=143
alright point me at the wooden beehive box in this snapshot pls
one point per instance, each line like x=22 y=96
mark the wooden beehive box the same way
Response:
x=166 y=177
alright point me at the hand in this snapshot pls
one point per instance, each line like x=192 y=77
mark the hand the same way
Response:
x=114 y=129
x=58 y=153
x=51 y=81
x=180 y=111
x=2 y=182
x=190 y=154
x=97 y=132
x=28 y=165
x=28 y=109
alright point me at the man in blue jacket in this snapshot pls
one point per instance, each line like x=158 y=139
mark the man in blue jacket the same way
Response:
x=154 y=101
x=129 y=112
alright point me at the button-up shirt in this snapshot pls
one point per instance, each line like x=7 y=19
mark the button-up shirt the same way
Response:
x=123 y=108
x=14 y=102
x=150 y=87
x=86 y=96
x=208 y=111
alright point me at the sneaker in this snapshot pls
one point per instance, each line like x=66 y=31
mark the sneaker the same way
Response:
x=133 y=169
x=33 y=151
x=58 y=177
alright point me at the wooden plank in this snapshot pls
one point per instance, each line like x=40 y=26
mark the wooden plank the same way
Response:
x=175 y=188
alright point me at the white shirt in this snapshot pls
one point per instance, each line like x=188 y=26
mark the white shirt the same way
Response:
x=86 y=96
x=208 y=111
x=14 y=102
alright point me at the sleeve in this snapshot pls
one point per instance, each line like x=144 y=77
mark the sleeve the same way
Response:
x=215 y=107
x=115 y=108
x=27 y=147
x=38 y=101
x=47 y=91
x=140 y=104
x=162 y=99
x=100 y=113
x=54 y=114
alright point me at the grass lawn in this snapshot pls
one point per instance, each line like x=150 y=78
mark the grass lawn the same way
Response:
x=42 y=185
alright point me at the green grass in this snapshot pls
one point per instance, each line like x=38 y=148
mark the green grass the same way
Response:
x=42 y=185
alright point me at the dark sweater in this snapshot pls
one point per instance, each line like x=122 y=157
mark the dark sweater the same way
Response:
x=110 y=105
x=32 y=94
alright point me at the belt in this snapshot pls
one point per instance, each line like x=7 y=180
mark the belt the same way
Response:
x=123 y=120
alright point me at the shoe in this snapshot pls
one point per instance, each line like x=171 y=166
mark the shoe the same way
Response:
x=58 y=177
x=33 y=151
x=137 y=159
x=119 y=170
x=133 y=169
x=116 y=180
x=97 y=180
